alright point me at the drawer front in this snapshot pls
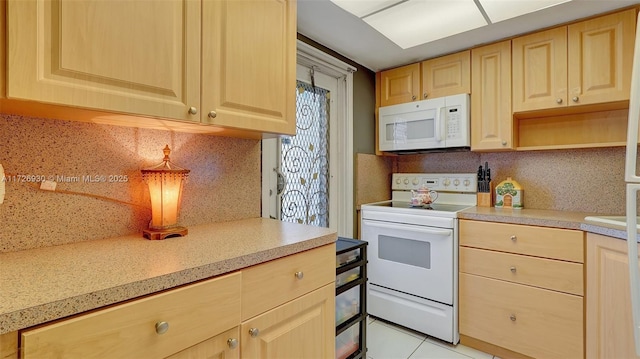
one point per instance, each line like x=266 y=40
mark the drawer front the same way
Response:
x=193 y=313
x=544 y=242
x=267 y=285
x=539 y=272
x=532 y=321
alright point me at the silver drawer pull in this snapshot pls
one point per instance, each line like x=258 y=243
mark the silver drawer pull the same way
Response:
x=513 y=269
x=514 y=238
x=254 y=332
x=299 y=275
x=512 y=317
x=232 y=343
x=162 y=327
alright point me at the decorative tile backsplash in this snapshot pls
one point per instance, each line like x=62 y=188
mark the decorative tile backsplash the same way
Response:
x=582 y=180
x=103 y=164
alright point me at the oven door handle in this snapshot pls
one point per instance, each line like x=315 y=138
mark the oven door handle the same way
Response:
x=427 y=230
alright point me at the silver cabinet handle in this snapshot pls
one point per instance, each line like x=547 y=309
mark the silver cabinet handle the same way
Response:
x=514 y=238
x=193 y=110
x=254 y=332
x=575 y=99
x=426 y=95
x=212 y=114
x=512 y=269
x=504 y=143
x=512 y=317
x=559 y=101
x=162 y=327
x=299 y=275
x=232 y=343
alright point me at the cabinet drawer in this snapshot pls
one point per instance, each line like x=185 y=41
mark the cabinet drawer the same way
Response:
x=193 y=313
x=544 y=242
x=532 y=321
x=267 y=285
x=539 y=272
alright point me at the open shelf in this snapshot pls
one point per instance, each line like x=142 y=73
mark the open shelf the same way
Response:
x=583 y=127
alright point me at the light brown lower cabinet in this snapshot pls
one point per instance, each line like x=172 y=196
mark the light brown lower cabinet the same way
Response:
x=521 y=290
x=205 y=319
x=296 y=329
x=222 y=346
x=536 y=322
x=154 y=327
x=609 y=318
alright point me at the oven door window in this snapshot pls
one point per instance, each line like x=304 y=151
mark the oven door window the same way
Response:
x=407 y=251
x=417 y=260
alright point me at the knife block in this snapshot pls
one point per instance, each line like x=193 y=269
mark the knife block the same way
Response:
x=485 y=199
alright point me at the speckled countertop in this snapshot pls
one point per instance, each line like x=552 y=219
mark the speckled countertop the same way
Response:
x=532 y=217
x=43 y=284
x=544 y=218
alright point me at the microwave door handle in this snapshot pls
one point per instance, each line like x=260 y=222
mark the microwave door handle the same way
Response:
x=437 y=128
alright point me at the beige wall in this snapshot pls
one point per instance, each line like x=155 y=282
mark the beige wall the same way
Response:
x=224 y=183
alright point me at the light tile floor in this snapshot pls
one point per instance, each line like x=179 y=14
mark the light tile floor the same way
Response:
x=389 y=341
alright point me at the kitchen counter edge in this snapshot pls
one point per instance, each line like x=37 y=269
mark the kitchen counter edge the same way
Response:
x=49 y=283
x=531 y=217
x=544 y=218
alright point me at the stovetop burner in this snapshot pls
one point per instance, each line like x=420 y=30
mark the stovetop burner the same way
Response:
x=430 y=207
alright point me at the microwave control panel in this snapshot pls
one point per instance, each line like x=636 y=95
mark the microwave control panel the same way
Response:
x=453 y=119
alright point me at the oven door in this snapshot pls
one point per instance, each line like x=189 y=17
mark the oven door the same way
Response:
x=413 y=259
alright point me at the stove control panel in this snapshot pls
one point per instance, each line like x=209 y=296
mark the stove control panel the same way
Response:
x=446 y=182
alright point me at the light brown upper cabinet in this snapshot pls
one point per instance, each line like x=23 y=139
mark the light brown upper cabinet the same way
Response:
x=3 y=49
x=180 y=59
x=601 y=57
x=446 y=75
x=127 y=56
x=249 y=65
x=400 y=85
x=442 y=76
x=491 y=120
x=540 y=70
x=588 y=62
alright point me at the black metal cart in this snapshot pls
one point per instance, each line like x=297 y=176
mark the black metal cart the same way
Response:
x=351 y=298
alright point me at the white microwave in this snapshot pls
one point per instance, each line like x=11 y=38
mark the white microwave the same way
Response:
x=431 y=124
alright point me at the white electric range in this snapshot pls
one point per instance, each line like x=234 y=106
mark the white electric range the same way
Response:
x=413 y=253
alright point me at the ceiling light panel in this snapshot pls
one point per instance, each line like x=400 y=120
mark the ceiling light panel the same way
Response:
x=415 y=22
x=499 y=10
x=361 y=8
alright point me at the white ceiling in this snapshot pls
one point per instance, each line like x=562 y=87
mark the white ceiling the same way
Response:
x=335 y=28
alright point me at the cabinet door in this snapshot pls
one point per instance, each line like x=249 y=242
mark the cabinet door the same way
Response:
x=139 y=57
x=3 y=49
x=491 y=120
x=302 y=328
x=447 y=75
x=600 y=58
x=609 y=329
x=400 y=85
x=540 y=70
x=249 y=75
x=222 y=346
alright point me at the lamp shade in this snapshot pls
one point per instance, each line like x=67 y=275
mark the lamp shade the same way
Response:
x=165 y=182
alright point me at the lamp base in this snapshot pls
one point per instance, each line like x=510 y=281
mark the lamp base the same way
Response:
x=164 y=233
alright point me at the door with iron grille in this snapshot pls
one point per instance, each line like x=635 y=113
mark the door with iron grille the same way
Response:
x=303 y=163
